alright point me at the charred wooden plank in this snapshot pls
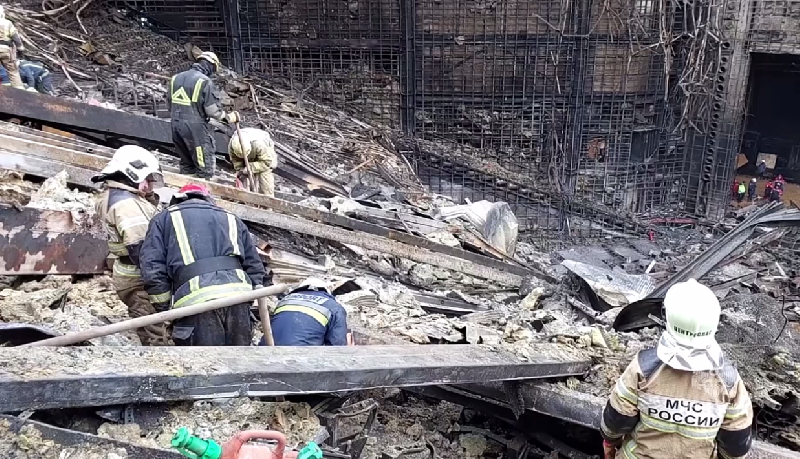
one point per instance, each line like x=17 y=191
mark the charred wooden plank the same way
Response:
x=42 y=378
x=406 y=244
x=34 y=241
x=70 y=115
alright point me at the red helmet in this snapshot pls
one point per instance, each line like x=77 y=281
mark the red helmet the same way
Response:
x=194 y=188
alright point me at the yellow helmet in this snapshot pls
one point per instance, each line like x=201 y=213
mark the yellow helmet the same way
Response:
x=210 y=57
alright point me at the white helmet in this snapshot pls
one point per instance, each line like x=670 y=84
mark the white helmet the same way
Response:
x=692 y=312
x=313 y=283
x=210 y=57
x=135 y=162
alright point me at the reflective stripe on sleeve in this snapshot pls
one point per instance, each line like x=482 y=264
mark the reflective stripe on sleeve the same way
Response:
x=131 y=222
x=121 y=269
x=161 y=297
x=201 y=161
x=623 y=392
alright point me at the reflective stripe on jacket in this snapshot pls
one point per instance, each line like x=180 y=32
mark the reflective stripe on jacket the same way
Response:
x=658 y=412
x=309 y=318
x=125 y=215
x=192 y=97
x=194 y=230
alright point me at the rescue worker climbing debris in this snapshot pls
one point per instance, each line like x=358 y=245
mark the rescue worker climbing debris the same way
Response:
x=36 y=77
x=192 y=104
x=196 y=252
x=11 y=49
x=309 y=316
x=260 y=151
x=682 y=398
x=131 y=175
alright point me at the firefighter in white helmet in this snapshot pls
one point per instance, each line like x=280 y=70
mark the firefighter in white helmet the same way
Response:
x=11 y=49
x=193 y=103
x=260 y=151
x=683 y=398
x=130 y=178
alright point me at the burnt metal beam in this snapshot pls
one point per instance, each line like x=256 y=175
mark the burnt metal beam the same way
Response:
x=399 y=243
x=70 y=115
x=34 y=241
x=72 y=439
x=89 y=376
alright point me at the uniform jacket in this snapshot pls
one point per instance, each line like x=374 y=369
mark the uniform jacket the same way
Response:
x=126 y=215
x=9 y=35
x=262 y=155
x=309 y=318
x=191 y=231
x=658 y=412
x=36 y=76
x=192 y=97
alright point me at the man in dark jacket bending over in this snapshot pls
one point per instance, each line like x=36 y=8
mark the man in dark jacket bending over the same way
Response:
x=196 y=252
x=309 y=316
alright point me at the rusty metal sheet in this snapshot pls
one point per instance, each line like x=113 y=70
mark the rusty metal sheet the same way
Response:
x=70 y=115
x=40 y=242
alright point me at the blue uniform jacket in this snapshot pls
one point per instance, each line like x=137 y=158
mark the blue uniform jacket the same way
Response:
x=309 y=318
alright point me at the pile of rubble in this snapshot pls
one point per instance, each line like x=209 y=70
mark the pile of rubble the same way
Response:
x=571 y=297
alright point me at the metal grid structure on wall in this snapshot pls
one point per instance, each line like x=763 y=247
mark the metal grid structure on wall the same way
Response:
x=580 y=113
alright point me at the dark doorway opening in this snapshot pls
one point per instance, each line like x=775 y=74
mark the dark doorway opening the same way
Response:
x=772 y=122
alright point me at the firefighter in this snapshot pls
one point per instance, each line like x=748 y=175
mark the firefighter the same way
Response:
x=260 y=150
x=123 y=207
x=682 y=398
x=11 y=48
x=36 y=77
x=309 y=316
x=192 y=104
x=196 y=252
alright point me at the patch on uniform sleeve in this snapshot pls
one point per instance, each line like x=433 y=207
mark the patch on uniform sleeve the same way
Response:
x=691 y=413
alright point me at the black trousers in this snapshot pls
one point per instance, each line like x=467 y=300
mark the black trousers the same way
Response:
x=195 y=146
x=224 y=327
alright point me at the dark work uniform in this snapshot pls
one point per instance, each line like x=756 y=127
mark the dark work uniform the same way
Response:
x=309 y=318
x=192 y=104
x=36 y=75
x=195 y=252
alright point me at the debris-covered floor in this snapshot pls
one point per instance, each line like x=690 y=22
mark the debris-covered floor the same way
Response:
x=573 y=299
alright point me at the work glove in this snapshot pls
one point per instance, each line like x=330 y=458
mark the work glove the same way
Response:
x=233 y=117
x=609 y=450
x=161 y=307
x=20 y=54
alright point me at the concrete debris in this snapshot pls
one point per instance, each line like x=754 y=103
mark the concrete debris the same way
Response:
x=218 y=419
x=55 y=195
x=58 y=304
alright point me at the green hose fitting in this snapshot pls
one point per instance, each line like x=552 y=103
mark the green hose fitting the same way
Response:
x=311 y=451
x=194 y=447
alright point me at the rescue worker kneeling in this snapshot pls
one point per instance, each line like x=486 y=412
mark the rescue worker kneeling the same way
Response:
x=195 y=252
x=260 y=151
x=683 y=398
x=309 y=316
x=123 y=207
